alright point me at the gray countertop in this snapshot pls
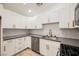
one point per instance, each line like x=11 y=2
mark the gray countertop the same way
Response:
x=59 y=39
x=14 y=37
x=34 y=35
x=24 y=35
x=19 y=36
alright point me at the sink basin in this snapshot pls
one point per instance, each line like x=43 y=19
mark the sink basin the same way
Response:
x=48 y=37
x=53 y=38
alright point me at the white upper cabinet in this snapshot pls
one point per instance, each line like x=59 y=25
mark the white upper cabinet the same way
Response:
x=64 y=14
x=16 y=21
x=67 y=16
x=11 y=19
x=20 y=23
x=52 y=15
x=7 y=20
x=34 y=24
x=30 y=25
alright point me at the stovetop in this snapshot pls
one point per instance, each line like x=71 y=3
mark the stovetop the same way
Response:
x=68 y=50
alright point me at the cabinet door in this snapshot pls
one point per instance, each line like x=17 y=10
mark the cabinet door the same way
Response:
x=30 y=25
x=27 y=42
x=20 y=23
x=19 y=44
x=44 y=47
x=34 y=25
x=64 y=17
x=8 y=19
x=9 y=47
x=8 y=23
x=67 y=16
x=53 y=48
x=22 y=43
x=38 y=26
x=49 y=48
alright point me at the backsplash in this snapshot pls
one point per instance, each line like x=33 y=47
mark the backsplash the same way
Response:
x=67 y=33
x=12 y=32
x=74 y=33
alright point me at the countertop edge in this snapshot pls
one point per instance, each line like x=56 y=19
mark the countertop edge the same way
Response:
x=34 y=35
x=13 y=37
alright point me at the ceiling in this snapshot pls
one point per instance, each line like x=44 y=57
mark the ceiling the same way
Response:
x=29 y=9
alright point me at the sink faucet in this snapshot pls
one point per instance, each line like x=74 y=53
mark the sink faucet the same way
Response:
x=50 y=33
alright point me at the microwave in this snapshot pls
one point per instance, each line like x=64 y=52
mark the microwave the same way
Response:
x=77 y=16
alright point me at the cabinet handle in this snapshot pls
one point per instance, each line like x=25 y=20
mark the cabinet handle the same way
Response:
x=68 y=25
x=58 y=52
x=73 y=23
x=35 y=26
x=14 y=26
x=24 y=39
x=4 y=48
x=48 y=20
x=25 y=27
x=47 y=46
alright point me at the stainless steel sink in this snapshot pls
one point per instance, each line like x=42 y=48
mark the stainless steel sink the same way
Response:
x=48 y=37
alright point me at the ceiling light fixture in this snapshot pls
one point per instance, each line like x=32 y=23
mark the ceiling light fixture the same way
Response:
x=29 y=11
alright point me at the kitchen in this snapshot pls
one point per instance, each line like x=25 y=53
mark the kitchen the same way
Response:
x=39 y=29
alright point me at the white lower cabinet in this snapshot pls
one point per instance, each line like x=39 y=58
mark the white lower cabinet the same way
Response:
x=22 y=43
x=19 y=44
x=27 y=42
x=49 y=48
x=14 y=46
x=9 y=47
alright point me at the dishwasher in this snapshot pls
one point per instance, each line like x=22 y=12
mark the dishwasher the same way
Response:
x=35 y=44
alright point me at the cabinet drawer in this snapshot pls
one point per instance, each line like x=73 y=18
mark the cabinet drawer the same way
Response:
x=28 y=41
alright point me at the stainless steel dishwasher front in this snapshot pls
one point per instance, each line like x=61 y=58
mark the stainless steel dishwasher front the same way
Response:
x=35 y=44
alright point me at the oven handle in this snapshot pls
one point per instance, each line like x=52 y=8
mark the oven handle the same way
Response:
x=58 y=52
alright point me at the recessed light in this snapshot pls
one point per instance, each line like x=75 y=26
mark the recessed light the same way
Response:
x=29 y=11
x=24 y=3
